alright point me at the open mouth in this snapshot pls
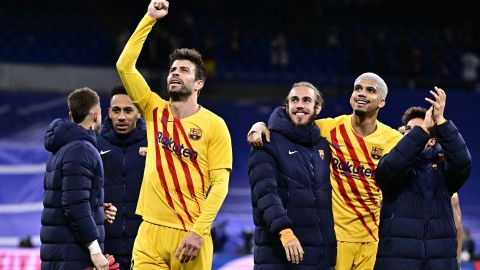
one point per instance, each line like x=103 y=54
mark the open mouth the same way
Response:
x=361 y=101
x=300 y=113
x=175 y=82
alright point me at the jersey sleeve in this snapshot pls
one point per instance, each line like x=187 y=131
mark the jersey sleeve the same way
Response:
x=136 y=86
x=391 y=138
x=220 y=147
x=214 y=201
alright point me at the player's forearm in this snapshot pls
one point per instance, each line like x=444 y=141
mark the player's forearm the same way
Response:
x=130 y=76
x=84 y=227
x=214 y=201
x=127 y=60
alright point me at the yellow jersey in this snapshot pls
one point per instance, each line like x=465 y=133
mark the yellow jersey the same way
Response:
x=184 y=156
x=356 y=198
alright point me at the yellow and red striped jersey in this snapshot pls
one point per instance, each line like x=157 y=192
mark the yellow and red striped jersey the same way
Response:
x=356 y=198
x=185 y=157
x=180 y=154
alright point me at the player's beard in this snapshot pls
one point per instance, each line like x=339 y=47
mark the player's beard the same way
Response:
x=359 y=112
x=310 y=120
x=180 y=95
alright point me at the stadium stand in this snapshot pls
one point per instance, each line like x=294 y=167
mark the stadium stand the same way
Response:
x=253 y=53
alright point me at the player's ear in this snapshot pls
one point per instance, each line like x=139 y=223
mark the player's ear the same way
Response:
x=381 y=104
x=318 y=109
x=199 y=84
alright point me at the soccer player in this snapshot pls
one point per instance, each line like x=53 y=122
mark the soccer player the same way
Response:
x=291 y=190
x=357 y=142
x=418 y=178
x=72 y=232
x=418 y=113
x=121 y=144
x=189 y=153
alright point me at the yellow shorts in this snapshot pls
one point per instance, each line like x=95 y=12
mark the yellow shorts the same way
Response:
x=356 y=256
x=155 y=247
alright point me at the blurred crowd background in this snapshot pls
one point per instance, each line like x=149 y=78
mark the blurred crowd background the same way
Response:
x=253 y=51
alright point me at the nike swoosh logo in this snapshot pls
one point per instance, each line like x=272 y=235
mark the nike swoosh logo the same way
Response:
x=104 y=152
x=336 y=145
x=292 y=152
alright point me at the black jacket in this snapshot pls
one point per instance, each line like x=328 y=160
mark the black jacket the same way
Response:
x=73 y=212
x=290 y=188
x=123 y=167
x=417 y=229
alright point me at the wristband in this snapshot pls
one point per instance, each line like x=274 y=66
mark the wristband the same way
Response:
x=94 y=247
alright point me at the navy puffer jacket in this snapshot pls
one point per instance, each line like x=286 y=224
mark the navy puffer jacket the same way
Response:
x=124 y=166
x=417 y=229
x=73 y=212
x=290 y=188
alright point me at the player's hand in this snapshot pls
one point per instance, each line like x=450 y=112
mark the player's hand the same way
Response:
x=110 y=212
x=190 y=246
x=112 y=265
x=158 y=9
x=428 y=122
x=254 y=137
x=99 y=261
x=438 y=104
x=294 y=251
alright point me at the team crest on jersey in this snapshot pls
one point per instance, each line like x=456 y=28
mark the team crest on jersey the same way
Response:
x=376 y=152
x=195 y=134
x=321 y=153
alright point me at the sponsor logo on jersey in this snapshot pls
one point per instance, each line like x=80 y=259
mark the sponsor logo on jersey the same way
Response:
x=349 y=169
x=180 y=150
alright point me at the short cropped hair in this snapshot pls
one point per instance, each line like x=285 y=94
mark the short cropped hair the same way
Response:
x=412 y=113
x=193 y=56
x=382 y=86
x=118 y=90
x=317 y=93
x=80 y=102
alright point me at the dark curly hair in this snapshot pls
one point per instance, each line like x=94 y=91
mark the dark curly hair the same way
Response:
x=412 y=113
x=193 y=56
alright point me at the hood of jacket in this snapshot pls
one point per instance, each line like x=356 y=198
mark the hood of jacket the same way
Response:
x=61 y=132
x=280 y=122
x=108 y=132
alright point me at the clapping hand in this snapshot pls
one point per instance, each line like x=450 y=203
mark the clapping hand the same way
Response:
x=438 y=104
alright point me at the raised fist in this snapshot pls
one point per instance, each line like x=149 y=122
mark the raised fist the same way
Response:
x=158 y=9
